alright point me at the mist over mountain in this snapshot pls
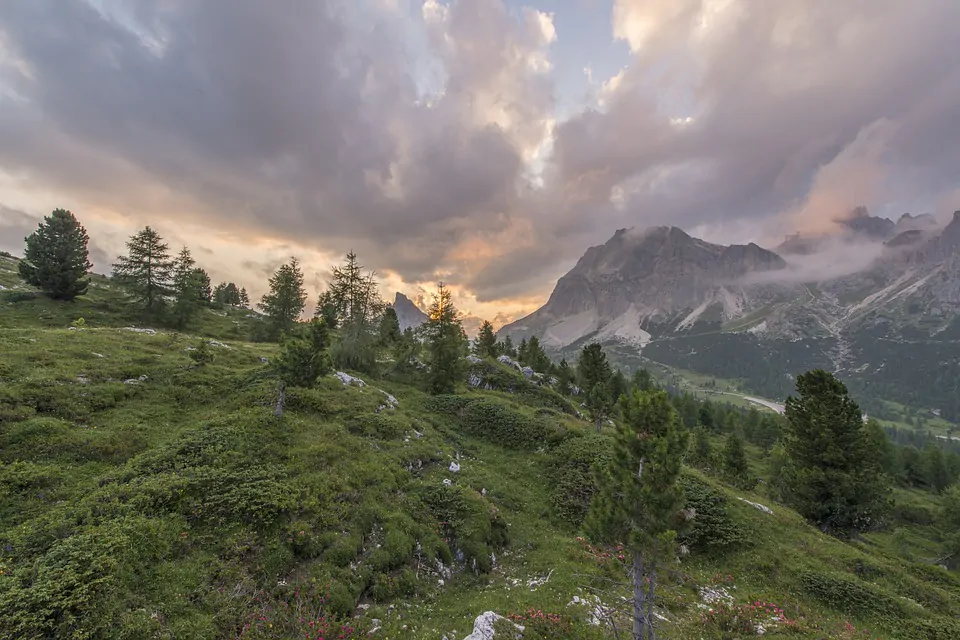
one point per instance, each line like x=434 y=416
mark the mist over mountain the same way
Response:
x=876 y=300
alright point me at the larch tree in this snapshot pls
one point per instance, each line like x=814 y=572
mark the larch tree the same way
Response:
x=446 y=343
x=833 y=475
x=146 y=271
x=485 y=345
x=56 y=259
x=639 y=502
x=284 y=303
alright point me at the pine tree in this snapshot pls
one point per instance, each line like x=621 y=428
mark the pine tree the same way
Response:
x=833 y=476
x=356 y=298
x=935 y=468
x=639 y=502
x=244 y=298
x=485 y=346
x=389 y=333
x=190 y=286
x=303 y=356
x=735 y=461
x=446 y=343
x=595 y=373
x=146 y=270
x=618 y=385
x=508 y=349
x=642 y=380
x=327 y=309
x=522 y=351
x=564 y=378
x=284 y=303
x=702 y=449
x=203 y=279
x=56 y=258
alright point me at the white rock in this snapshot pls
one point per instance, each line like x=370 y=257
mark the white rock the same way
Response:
x=131 y=381
x=507 y=360
x=483 y=627
x=149 y=332
x=83 y=379
x=447 y=482
x=348 y=379
x=527 y=372
x=454 y=467
x=483 y=492
x=99 y=355
x=474 y=359
x=217 y=343
x=440 y=582
x=474 y=380
x=264 y=359
x=759 y=506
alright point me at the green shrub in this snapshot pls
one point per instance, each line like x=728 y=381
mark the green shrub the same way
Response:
x=468 y=523
x=344 y=550
x=713 y=528
x=498 y=422
x=849 y=595
x=930 y=629
x=570 y=469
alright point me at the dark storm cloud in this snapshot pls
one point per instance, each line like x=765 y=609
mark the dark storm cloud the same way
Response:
x=306 y=122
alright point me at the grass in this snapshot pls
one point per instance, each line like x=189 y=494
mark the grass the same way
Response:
x=145 y=496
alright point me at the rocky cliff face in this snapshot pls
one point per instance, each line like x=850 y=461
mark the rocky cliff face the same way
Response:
x=641 y=278
x=408 y=314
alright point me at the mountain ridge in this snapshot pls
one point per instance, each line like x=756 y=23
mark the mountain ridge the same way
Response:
x=878 y=294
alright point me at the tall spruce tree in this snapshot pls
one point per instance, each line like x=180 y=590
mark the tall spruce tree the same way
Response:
x=284 y=303
x=190 y=286
x=244 y=298
x=446 y=343
x=56 y=258
x=356 y=297
x=146 y=271
x=639 y=502
x=485 y=345
x=833 y=476
x=595 y=374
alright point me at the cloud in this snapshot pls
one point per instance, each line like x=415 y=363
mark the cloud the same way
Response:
x=427 y=135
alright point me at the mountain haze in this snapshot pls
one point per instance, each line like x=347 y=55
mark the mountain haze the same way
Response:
x=878 y=303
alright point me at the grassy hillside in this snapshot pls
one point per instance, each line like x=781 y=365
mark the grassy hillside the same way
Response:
x=144 y=495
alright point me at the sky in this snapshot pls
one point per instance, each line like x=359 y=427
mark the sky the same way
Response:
x=484 y=143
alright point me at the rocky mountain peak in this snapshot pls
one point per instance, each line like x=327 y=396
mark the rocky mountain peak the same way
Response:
x=408 y=314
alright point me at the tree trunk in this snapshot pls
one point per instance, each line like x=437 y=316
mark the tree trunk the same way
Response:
x=639 y=615
x=651 y=635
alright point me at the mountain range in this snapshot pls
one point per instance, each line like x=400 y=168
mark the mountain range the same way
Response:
x=876 y=301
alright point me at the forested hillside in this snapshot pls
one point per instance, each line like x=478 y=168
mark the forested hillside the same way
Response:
x=178 y=466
